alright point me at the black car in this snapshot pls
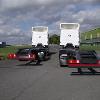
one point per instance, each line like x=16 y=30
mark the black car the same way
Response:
x=86 y=59
x=32 y=54
x=65 y=55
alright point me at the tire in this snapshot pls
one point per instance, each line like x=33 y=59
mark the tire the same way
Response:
x=61 y=65
x=38 y=62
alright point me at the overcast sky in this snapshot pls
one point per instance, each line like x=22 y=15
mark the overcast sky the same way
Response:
x=18 y=16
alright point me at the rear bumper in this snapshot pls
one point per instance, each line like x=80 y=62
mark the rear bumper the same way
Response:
x=63 y=62
x=84 y=65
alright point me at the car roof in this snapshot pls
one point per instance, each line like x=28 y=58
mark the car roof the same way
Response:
x=67 y=50
x=24 y=48
x=87 y=52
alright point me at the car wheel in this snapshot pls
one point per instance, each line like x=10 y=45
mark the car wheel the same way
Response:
x=61 y=65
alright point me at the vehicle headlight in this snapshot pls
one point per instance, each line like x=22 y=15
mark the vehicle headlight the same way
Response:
x=40 y=53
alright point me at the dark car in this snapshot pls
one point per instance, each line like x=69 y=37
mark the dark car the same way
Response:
x=85 y=59
x=32 y=54
x=78 y=58
x=65 y=55
x=43 y=53
x=25 y=54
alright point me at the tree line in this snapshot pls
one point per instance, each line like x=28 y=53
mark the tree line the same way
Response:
x=54 y=39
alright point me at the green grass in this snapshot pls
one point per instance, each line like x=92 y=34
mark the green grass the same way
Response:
x=89 y=47
x=13 y=49
x=10 y=49
x=87 y=35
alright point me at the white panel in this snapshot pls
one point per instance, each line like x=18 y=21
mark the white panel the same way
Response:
x=69 y=33
x=40 y=35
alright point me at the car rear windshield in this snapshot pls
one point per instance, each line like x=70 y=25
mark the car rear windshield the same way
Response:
x=62 y=52
x=23 y=51
x=68 y=52
x=87 y=54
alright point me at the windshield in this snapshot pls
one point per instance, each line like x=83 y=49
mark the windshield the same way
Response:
x=69 y=26
x=39 y=29
x=23 y=51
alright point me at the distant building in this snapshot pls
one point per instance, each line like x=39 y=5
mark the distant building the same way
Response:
x=2 y=44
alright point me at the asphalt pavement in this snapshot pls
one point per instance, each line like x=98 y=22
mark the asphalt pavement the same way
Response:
x=47 y=81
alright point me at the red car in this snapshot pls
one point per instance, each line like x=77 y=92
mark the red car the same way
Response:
x=11 y=56
x=25 y=55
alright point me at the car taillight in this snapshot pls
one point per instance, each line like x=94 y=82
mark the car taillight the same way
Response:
x=14 y=55
x=98 y=61
x=73 y=61
x=11 y=56
x=33 y=56
x=29 y=55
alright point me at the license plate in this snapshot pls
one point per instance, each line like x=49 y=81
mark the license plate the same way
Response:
x=23 y=57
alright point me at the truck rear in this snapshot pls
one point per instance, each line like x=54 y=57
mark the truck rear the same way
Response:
x=69 y=34
x=40 y=36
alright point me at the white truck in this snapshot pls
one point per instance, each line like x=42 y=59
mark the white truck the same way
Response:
x=69 y=34
x=40 y=36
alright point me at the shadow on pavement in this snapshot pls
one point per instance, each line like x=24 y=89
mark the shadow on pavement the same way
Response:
x=30 y=64
x=52 y=53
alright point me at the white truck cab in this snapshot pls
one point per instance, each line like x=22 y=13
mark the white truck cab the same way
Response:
x=40 y=35
x=69 y=34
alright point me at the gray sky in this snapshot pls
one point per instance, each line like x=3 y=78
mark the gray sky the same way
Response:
x=18 y=16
